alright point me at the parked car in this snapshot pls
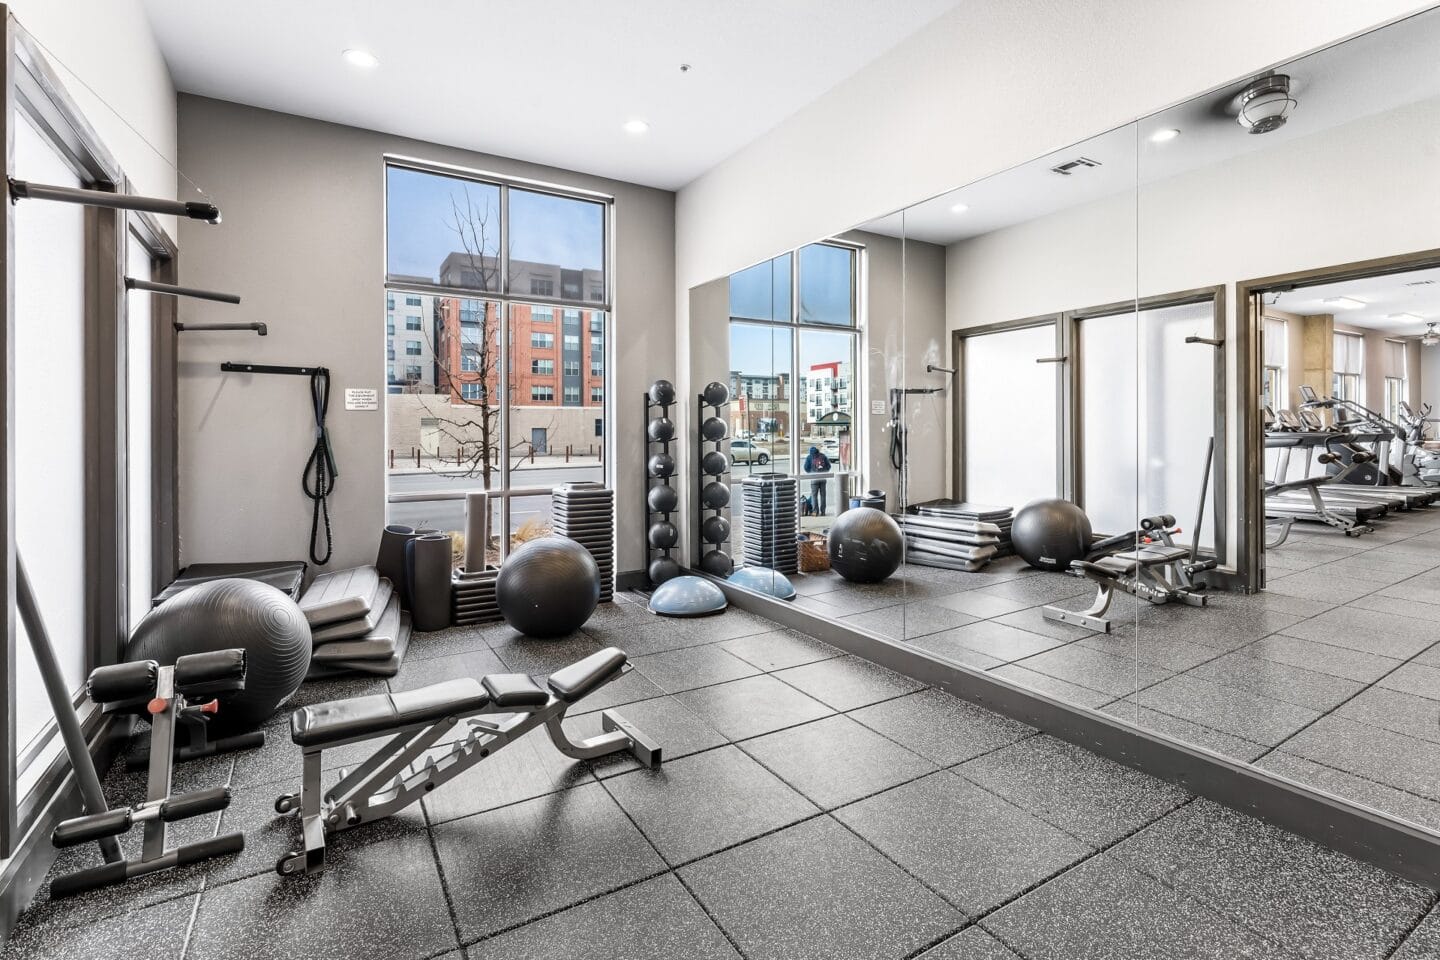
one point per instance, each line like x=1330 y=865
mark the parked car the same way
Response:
x=743 y=451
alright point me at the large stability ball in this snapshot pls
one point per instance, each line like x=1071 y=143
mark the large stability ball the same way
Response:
x=1050 y=534
x=548 y=587
x=865 y=545
x=222 y=614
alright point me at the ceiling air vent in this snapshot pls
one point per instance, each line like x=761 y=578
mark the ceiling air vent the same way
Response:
x=1079 y=163
x=1420 y=283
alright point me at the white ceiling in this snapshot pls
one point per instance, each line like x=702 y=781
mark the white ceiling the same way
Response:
x=1370 y=74
x=1382 y=296
x=549 y=81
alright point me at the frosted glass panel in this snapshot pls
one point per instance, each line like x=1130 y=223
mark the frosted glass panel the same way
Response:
x=138 y=477
x=49 y=422
x=1010 y=416
x=1108 y=452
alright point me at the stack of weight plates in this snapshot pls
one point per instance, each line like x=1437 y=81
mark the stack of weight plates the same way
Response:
x=472 y=597
x=585 y=512
x=770 y=514
x=975 y=513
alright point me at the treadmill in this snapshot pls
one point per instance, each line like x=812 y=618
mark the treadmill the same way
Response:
x=1308 y=424
x=1291 y=500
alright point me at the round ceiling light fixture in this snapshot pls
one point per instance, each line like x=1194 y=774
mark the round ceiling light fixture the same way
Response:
x=1164 y=136
x=636 y=127
x=959 y=208
x=1265 y=103
x=363 y=59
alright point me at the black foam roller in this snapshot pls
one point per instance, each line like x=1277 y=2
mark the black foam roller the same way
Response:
x=427 y=571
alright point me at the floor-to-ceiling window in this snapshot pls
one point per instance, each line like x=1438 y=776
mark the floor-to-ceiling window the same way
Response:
x=1396 y=381
x=1347 y=380
x=496 y=334
x=1273 y=389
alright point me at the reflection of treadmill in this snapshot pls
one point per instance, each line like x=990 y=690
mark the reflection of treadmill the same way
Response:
x=1394 y=496
x=1291 y=500
x=1361 y=425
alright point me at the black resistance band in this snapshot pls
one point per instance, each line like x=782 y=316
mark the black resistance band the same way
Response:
x=322 y=463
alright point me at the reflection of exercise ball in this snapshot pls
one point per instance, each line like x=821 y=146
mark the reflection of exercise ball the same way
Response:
x=715 y=393
x=222 y=614
x=715 y=529
x=715 y=496
x=662 y=498
x=662 y=392
x=865 y=545
x=662 y=569
x=716 y=563
x=714 y=463
x=1050 y=534
x=713 y=428
x=661 y=429
x=662 y=465
x=663 y=535
x=548 y=587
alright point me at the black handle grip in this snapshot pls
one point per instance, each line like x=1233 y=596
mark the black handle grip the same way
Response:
x=205 y=849
x=108 y=823
x=88 y=879
x=185 y=805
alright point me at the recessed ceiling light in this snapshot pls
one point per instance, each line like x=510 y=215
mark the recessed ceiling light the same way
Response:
x=959 y=208
x=1344 y=303
x=1161 y=136
x=363 y=59
x=636 y=127
x=1405 y=317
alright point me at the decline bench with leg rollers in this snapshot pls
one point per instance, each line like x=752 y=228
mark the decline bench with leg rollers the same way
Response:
x=498 y=709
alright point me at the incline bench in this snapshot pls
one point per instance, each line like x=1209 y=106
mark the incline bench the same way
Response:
x=499 y=708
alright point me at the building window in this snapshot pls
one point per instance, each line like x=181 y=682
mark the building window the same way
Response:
x=596 y=292
x=572 y=368
x=572 y=395
x=470 y=392
x=542 y=341
x=1348 y=378
x=542 y=368
x=412 y=348
x=597 y=344
x=597 y=367
x=390 y=372
x=597 y=323
x=599 y=426
x=470 y=360
x=412 y=323
x=412 y=373
x=572 y=342
x=412 y=301
x=597 y=395
x=389 y=303
x=1396 y=381
x=542 y=394
x=542 y=287
x=389 y=328
x=572 y=317
x=542 y=315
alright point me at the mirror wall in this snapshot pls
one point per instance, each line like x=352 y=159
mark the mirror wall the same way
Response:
x=1148 y=418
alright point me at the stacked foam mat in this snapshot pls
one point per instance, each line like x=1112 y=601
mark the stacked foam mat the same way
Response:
x=287 y=576
x=770 y=512
x=955 y=536
x=356 y=624
x=585 y=512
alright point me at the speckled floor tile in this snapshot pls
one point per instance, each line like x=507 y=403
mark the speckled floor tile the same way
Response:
x=474 y=663
x=1170 y=653
x=942 y=728
x=1118 y=676
x=836 y=760
x=641 y=637
x=445 y=643
x=1041 y=588
x=730 y=626
x=816 y=891
x=845 y=683
x=528 y=767
x=1064 y=690
x=778 y=649
x=1424 y=942
x=972 y=943
x=1088 y=796
x=1032 y=620
x=1417 y=679
x=999 y=641
x=706 y=802
x=982 y=604
x=653 y=920
x=693 y=667
x=514 y=864
x=378 y=900
x=842 y=603
x=1394 y=710
x=1398 y=606
x=151 y=932
x=539 y=657
x=1371 y=752
x=1316 y=584
x=1278 y=681
x=1319 y=902
x=913 y=619
x=1186 y=731
x=1228 y=709
x=1322 y=658
x=753 y=706
x=1397 y=803
x=1369 y=631
x=665 y=720
x=1102 y=910
x=977 y=850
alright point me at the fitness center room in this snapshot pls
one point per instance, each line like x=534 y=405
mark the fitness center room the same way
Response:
x=951 y=480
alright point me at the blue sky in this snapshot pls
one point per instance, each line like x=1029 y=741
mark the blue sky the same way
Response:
x=763 y=292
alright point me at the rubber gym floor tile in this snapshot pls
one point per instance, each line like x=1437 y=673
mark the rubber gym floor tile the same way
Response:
x=154 y=931
x=665 y=720
x=1278 y=681
x=941 y=728
x=1186 y=731
x=706 y=802
x=1170 y=653
x=1316 y=584
x=1032 y=619
x=653 y=920
x=1414 y=678
x=810 y=584
x=640 y=637
x=1316 y=901
x=1050 y=686
x=841 y=603
x=687 y=669
x=1042 y=588
x=1397 y=606
x=1226 y=624
x=1371 y=752
x=1424 y=942
x=337 y=688
x=941 y=645
x=528 y=767
x=474 y=663
x=1085 y=795
x=845 y=683
x=1398 y=803
x=779 y=649
x=996 y=640
x=1383 y=572
x=909 y=620
x=381 y=901
x=1228 y=709
x=731 y=624
x=507 y=866
x=1396 y=711
x=280 y=759
x=540 y=657
x=1322 y=658
x=816 y=891
x=1102 y=910
x=982 y=603
x=1118 y=676
x=629 y=688
x=972 y=943
x=753 y=706
x=1423 y=591
x=836 y=760
x=975 y=849
x=1371 y=631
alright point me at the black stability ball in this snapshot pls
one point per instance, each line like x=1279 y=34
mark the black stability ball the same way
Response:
x=715 y=393
x=661 y=429
x=714 y=463
x=713 y=429
x=866 y=545
x=662 y=392
x=662 y=569
x=548 y=587
x=715 y=529
x=1050 y=534
x=716 y=563
x=662 y=498
x=715 y=495
x=663 y=535
x=662 y=465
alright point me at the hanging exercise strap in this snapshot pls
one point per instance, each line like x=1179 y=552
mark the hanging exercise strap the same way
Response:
x=322 y=465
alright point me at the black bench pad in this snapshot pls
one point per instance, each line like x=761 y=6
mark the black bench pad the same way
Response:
x=584 y=676
x=513 y=690
x=379 y=713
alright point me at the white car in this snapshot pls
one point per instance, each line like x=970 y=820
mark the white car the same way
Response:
x=743 y=451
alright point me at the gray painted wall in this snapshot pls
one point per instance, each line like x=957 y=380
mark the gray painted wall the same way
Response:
x=302 y=242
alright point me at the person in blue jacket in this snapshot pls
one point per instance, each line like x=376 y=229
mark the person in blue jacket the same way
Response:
x=817 y=462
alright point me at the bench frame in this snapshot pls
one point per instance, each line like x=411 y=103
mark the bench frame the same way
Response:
x=403 y=770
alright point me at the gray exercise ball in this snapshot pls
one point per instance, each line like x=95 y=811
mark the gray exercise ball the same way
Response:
x=548 y=587
x=713 y=429
x=717 y=563
x=662 y=392
x=662 y=465
x=715 y=393
x=219 y=615
x=1051 y=534
x=715 y=529
x=663 y=535
x=866 y=545
x=714 y=463
x=662 y=569
x=661 y=429
x=662 y=498
x=715 y=495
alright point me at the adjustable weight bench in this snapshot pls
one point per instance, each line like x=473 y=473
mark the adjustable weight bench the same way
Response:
x=498 y=709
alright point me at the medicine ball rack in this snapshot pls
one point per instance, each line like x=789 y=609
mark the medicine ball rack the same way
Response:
x=714 y=468
x=659 y=466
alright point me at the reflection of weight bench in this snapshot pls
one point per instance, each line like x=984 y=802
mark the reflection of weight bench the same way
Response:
x=1155 y=572
x=499 y=709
